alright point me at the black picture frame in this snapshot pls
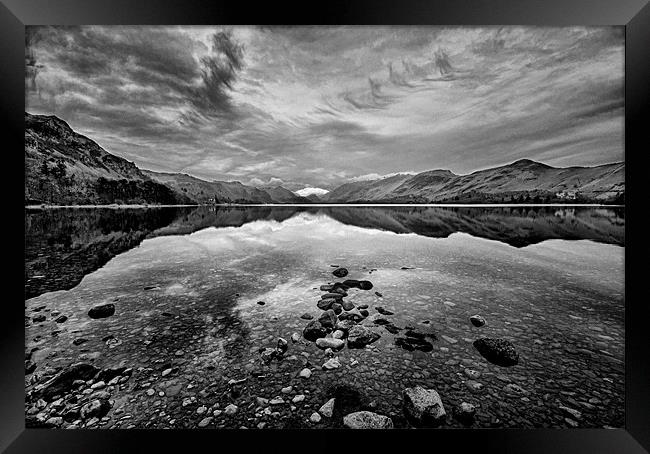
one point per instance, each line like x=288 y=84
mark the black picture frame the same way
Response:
x=633 y=14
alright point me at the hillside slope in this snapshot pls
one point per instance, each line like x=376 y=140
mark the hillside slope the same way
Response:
x=522 y=181
x=64 y=167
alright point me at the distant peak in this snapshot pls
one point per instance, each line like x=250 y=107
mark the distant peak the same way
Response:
x=528 y=163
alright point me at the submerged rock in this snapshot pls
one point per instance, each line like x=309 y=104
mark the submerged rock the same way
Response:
x=95 y=408
x=314 y=330
x=367 y=420
x=306 y=316
x=340 y=272
x=413 y=343
x=359 y=336
x=423 y=407
x=477 y=320
x=328 y=319
x=102 y=311
x=325 y=303
x=497 y=351
x=383 y=311
x=464 y=413
x=329 y=342
x=332 y=363
x=327 y=409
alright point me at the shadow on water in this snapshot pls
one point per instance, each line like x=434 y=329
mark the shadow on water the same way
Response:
x=63 y=245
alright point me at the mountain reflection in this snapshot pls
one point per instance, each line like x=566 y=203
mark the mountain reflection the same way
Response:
x=63 y=245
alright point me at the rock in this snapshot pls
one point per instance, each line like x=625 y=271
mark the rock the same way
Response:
x=268 y=354
x=261 y=303
x=305 y=373
x=379 y=294
x=464 y=413
x=332 y=363
x=359 y=336
x=102 y=311
x=338 y=334
x=30 y=367
x=282 y=345
x=327 y=409
x=205 y=421
x=423 y=407
x=334 y=296
x=337 y=308
x=306 y=316
x=340 y=272
x=344 y=325
x=325 y=303
x=79 y=341
x=63 y=382
x=287 y=389
x=39 y=318
x=277 y=401
x=315 y=418
x=367 y=420
x=166 y=372
x=353 y=315
x=111 y=372
x=295 y=337
x=329 y=342
x=98 y=385
x=231 y=409
x=474 y=386
x=347 y=305
x=413 y=343
x=471 y=373
x=61 y=319
x=95 y=408
x=314 y=330
x=298 y=398
x=362 y=285
x=477 y=320
x=365 y=285
x=383 y=311
x=327 y=319
x=326 y=287
x=364 y=313
x=202 y=409
x=340 y=290
x=261 y=401
x=497 y=351
x=570 y=411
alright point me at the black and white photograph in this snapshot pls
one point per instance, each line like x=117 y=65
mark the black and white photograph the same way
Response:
x=324 y=227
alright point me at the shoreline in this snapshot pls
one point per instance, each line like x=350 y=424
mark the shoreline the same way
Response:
x=445 y=205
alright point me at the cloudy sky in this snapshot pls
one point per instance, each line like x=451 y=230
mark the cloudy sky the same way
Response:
x=321 y=106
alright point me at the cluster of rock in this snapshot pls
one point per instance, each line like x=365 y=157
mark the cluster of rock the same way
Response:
x=79 y=396
x=340 y=320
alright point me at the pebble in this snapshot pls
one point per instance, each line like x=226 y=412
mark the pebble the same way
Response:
x=315 y=418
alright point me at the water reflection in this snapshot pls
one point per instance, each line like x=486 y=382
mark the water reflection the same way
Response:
x=63 y=245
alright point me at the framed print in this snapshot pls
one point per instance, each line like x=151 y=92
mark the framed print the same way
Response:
x=412 y=219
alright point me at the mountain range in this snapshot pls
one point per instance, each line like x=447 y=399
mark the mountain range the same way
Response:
x=67 y=168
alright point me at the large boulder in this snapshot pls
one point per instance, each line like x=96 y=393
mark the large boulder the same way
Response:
x=367 y=420
x=102 y=311
x=497 y=351
x=423 y=407
x=62 y=383
x=313 y=331
x=359 y=336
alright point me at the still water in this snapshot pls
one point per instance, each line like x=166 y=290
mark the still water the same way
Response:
x=187 y=285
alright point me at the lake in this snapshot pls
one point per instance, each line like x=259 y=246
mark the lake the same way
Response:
x=188 y=285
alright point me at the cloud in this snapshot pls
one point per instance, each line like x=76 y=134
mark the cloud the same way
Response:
x=321 y=106
x=309 y=191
